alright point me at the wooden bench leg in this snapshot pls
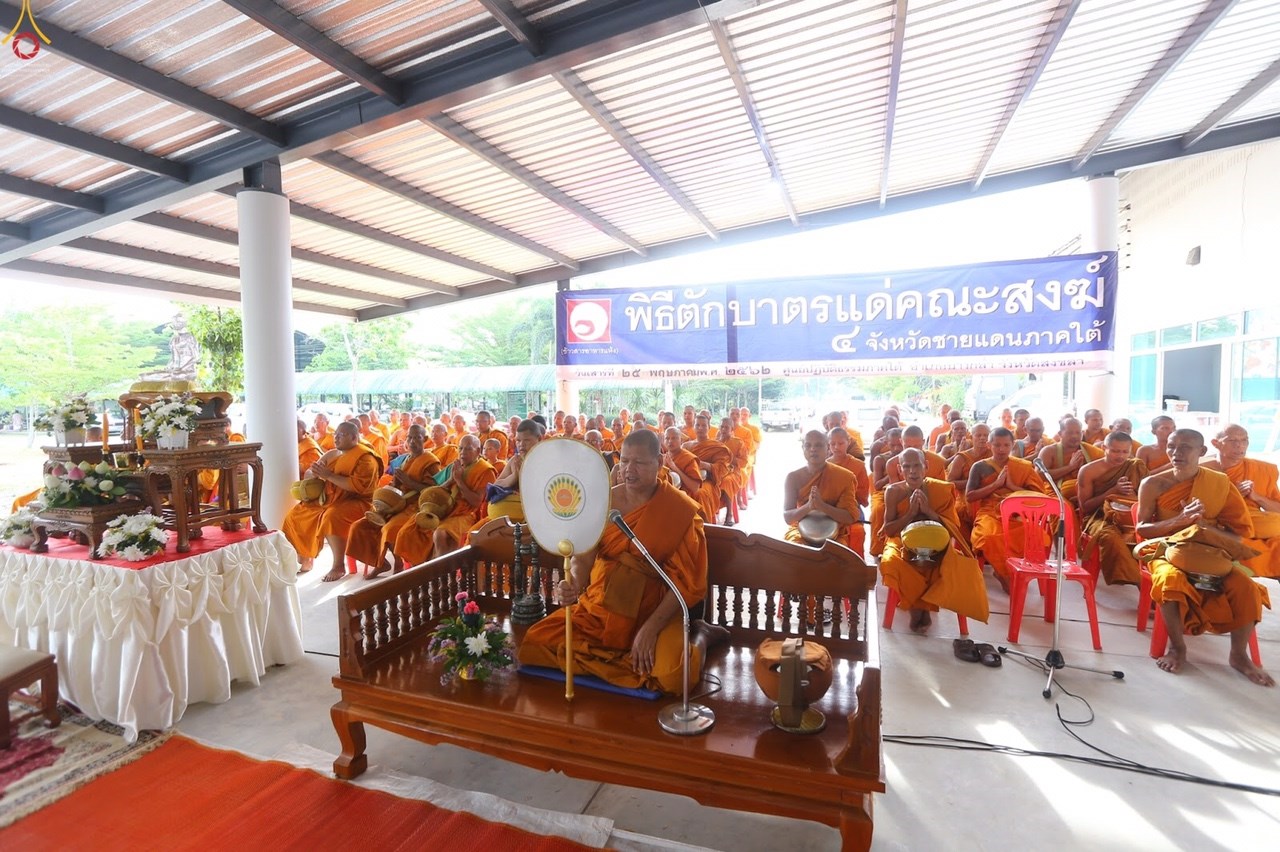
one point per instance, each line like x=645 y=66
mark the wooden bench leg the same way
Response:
x=49 y=697
x=856 y=827
x=352 y=761
x=4 y=721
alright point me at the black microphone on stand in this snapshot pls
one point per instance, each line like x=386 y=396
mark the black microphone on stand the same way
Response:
x=683 y=719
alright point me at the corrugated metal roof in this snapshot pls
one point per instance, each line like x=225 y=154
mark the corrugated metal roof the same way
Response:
x=430 y=154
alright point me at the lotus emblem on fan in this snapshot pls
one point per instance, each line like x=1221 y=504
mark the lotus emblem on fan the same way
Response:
x=564 y=496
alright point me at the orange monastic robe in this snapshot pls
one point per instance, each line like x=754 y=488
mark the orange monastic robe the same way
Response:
x=720 y=457
x=415 y=545
x=307 y=524
x=623 y=593
x=1266 y=525
x=446 y=453
x=1241 y=600
x=955 y=583
x=856 y=466
x=378 y=443
x=706 y=495
x=988 y=535
x=736 y=481
x=1113 y=537
x=839 y=488
x=366 y=541
x=309 y=453
x=505 y=450
x=1068 y=486
x=325 y=441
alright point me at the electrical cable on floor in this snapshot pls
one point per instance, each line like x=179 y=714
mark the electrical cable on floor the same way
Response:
x=716 y=686
x=320 y=653
x=1111 y=761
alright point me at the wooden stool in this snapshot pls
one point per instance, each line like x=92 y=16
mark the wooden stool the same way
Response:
x=21 y=667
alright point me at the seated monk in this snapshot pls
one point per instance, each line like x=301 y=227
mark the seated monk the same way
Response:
x=961 y=465
x=470 y=476
x=399 y=441
x=528 y=433
x=596 y=441
x=838 y=441
x=374 y=438
x=632 y=638
x=891 y=445
x=1093 y=431
x=686 y=473
x=350 y=471
x=1256 y=482
x=1156 y=456
x=440 y=446
x=958 y=439
x=370 y=543
x=1065 y=458
x=491 y=451
x=322 y=433
x=1169 y=502
x=733 y=489
x=935 y=466
x=714 y=460
x=990 y=481
x=947 y=435
x=941 y=429
x=1020 y=418
x=309 y=451
x=881 y=436
x=1106 y=491
x=955 y=581
x=820 y=488
x=485 y=430
x=1033 y=440
x=687 y=430
x=1125 y=425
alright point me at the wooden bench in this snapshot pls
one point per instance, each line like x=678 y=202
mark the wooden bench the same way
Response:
x=744 y=763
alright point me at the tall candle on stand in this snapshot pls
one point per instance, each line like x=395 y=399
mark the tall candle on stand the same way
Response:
x=137 y=429
x=106 y=430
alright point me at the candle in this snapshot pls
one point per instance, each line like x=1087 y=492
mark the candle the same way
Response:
x=137 y=429
x=106 y=430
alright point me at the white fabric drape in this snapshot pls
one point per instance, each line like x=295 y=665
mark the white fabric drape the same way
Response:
x=136 y=647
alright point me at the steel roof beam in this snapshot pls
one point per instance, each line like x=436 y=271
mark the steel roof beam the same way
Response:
x=1044 y=52
x=891 y=107
x=594 y=107
x=228 y=237
x=52 y=194
x=319 y=45
x=15 y=230
x=87 y=143
x=89 y=55
x=1213 y=12
x=223 y=270
x=730 y=58
x=355 y=169
x=118 y=279
x=506 y=13
x=1239 y=99
x=460 y=135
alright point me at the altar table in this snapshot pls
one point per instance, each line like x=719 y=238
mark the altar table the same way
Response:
x=138 y=642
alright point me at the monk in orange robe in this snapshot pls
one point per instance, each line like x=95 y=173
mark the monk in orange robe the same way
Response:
x=734 y=487
x=627 y=628
x=955 y=581
x=935 y=466
x=990 y=481
x=486 y=430
x=374 y=439
x=1093 y=431
x=369 y=543
x=440 y=446
x=838 y=441
x=941 y=429
x=470 y=476
x=1256 y=482
x=1156 y=456
x=714 y=459
x=1106 y=490
x=1065 y=458
x=322 y=433
x=350 y=472
x=687 y=430
x=889 y=445
x=1033 y=440
x=309 y=451
x=819 y=488
x=1172 y=501
x=491 y=451
x=685 y=472
x=398 y=442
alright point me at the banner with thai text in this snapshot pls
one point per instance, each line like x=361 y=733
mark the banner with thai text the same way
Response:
x=1054 y=313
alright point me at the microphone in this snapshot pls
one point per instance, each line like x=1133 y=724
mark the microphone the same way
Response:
x=1044 y=471
x=615 y=518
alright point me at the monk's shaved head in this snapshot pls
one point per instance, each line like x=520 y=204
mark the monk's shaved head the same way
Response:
x=643 y=440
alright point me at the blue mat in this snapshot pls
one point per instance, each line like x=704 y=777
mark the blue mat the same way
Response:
x=589 y=681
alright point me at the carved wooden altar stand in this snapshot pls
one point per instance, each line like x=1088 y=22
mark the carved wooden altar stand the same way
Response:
x=90 y=522
x=177 y=474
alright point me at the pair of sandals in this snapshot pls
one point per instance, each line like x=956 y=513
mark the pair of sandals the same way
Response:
x=966 y=650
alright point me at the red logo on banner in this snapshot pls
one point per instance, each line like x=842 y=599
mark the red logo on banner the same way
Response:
x=587 y=320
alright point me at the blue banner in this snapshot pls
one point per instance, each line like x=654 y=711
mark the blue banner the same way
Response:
x=1047 y=313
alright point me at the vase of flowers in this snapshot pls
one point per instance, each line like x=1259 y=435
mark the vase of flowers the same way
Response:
x=69 y=421
x=83 y=484
x=16 y=530
x=134 y=537
x=169 y=420
x=471 y=647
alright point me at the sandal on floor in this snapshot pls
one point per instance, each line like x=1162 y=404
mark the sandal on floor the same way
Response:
x=988 y=655
x=965 y=650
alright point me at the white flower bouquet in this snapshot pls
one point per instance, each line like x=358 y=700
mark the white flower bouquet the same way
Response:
x=170 y=414
x=134 y=537
x=83 y=484
x=76 y=413
x=16 y=529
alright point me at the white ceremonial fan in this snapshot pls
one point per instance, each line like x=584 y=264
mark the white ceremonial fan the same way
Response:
x=564 y=486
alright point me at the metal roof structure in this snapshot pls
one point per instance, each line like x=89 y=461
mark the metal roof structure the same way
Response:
x=437 y=150
x=535 y=377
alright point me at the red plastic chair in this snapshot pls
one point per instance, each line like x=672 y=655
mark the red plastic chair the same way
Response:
x=1094 y=567
x=891 y=607
x=1038 y=513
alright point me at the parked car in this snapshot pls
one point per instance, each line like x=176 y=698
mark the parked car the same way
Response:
x=781 y=418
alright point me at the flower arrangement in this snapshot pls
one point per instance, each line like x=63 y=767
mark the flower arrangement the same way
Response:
x=81 y=484
x=76 y=413
x=471 y=646
x=16 y=530
x=170 y=414
x=133 y=537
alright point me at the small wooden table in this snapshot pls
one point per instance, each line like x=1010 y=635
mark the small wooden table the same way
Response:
x=185 y=514
x=90 y=521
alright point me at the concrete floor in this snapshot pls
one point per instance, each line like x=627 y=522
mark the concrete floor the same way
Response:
x=1207 y=721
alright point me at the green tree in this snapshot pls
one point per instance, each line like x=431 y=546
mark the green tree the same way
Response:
x=506 y=336
x=221 y=337
x=381 y=344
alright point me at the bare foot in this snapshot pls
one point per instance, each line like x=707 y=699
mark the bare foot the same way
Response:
x=1245 y=666
x=920 y=621
x=381 y=569
x=334 y=575
x=1004 y=583
x=1172 y=661
x=305 y=564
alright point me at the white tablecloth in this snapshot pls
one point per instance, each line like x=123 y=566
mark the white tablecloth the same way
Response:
x=136 y=647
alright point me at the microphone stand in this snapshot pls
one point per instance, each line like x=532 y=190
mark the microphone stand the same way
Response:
x=1054 y=659
x=683 y=719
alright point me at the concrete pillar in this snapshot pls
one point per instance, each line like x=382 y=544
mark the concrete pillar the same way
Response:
x=266 y=303
x=1098 y=388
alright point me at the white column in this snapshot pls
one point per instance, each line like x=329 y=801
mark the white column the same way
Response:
x=1099 y=389
x=266 y=303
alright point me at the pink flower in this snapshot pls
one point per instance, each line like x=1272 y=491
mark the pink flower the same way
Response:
x=460 y=597
x=472 y=608
x=75 y=474
x=59 y=470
